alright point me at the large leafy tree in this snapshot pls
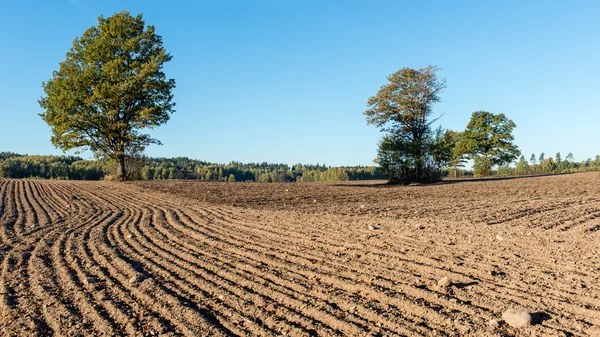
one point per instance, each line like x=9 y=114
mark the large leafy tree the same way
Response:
x=447 y=151
x=488 y=140
x=110 y=88
x=403 y=109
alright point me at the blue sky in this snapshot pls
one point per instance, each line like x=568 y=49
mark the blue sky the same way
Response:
x=287 y=81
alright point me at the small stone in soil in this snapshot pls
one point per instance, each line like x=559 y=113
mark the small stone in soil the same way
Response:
x=444 y=282
x=136 y=278
x=517 y=318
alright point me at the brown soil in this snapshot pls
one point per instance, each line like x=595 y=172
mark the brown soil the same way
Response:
x=237 y=259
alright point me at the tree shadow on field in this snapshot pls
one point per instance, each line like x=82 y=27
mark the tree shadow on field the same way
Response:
x=373 y=185
x=467 y=180
x=448 y=181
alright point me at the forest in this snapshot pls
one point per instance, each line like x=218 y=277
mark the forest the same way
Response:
x=13 y=165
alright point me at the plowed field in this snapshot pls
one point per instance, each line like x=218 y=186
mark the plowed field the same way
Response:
x=242 y=259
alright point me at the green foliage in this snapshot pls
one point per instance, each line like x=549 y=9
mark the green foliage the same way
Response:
x=548 y=165
x=522 y=167
x=488 y=140
x=332 y=174
x=395 y=158
x=134 y=167
x=109 y=89
x=505 y=171
x=146 y=173
x=6 y=155
x=49 y=167
x=403 y=108
x=481 y=167
x=74 y=168
x=140 y=167
x=570 y=157
x=443 y=148
x=447 y=152
x=559 y=165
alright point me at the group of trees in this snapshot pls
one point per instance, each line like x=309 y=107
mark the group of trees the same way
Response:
x=111 y=88
x=411 y=151
x=75 y=168
x=403 y=109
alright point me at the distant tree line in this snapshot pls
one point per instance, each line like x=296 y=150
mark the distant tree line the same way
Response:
x=549 y=165
x=49 y=167
x=535 y=166
x=14 y=165
x=190 y=169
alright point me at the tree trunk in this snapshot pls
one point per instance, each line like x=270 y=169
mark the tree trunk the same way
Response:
x=419 y=178
x=121 y=168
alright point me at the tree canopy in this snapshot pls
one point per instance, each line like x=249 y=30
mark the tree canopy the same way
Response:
x=110 y=88
x=403 y=109
x=488 y=140
x=448 y=151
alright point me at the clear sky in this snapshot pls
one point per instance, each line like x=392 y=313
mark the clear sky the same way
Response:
x=287 y=81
